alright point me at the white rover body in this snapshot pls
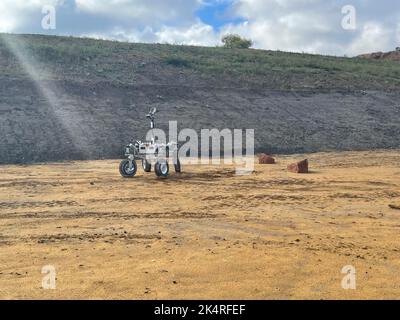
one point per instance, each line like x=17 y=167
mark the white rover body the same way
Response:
x=150 y=153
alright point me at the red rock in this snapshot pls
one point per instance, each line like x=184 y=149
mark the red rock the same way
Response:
x=299 y=167
x=265 y=159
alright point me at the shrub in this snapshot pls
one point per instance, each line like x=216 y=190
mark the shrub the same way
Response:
x=177 y=62
x=234 y=41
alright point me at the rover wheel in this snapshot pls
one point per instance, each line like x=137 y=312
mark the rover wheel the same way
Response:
x=162 y=169
x=125 y=170
x=177 y=165
x=146 y=165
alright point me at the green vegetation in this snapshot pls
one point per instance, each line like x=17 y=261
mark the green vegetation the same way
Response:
x=177 y=62
x=122 y=63
x=234 y=41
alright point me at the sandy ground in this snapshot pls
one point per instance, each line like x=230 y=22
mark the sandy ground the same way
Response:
x=205 y=233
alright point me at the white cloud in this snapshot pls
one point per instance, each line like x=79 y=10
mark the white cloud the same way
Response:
x=312 y=26
x=373 y=37
x=398 y=34
x=196 y=34
x=150 y=12
x=15 y=13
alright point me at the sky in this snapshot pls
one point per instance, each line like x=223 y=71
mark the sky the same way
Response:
x=340 y=27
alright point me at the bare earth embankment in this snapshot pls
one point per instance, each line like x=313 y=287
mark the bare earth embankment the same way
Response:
x=205 y=233
x=66 y=98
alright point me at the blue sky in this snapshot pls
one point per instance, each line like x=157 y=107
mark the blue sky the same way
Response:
x=313 y=26
x=218 y=14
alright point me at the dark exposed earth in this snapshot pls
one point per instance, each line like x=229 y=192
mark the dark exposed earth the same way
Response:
x=65 y=115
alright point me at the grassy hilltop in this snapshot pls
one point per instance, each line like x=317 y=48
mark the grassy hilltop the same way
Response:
x=119 y=63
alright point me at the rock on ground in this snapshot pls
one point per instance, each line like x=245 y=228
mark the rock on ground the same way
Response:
x=299 y=167
x=265 y=159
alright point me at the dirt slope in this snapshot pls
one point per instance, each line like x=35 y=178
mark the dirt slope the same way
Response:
x=66 y=98
x=391 y=55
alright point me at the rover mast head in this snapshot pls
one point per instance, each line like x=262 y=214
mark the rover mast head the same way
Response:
x=151 y=116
